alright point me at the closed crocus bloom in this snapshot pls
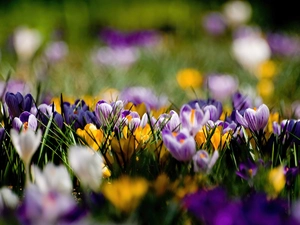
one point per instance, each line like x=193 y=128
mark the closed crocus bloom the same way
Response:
x=26 y=143
x=181 y=145
x=52 y=178
x=103 y=112
x=203 y=162
x=87 y=165
x=193 y=118
x=8 y=199
x=92 y=135
x=254 y=120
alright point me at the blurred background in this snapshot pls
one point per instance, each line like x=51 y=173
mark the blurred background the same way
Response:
x=180 y=49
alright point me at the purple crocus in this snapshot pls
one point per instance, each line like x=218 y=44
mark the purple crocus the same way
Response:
x=181 y=145
x=138 y=95
x=254 y=120
x=247 y=171
x=169 y=121
x=193 y=119
x=214 y=23
x=203 y=162
x=222 y=86
x=240 y=101
x=48 y=208
x=56 y=51
x=17 y=104
x=107 y=113
x=25 y=121
x=282 y=44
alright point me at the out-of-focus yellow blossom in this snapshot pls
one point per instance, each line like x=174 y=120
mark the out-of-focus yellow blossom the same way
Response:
x=140 y=109
x=217 y=139
x=142 y=134
x=161 y=184
x=123 y=148
x=274 y=117
x=265 y=88
x=267 y=69
x=105 y=171
x=91 y=135
x=187 y=186
x=125 y=193
x=109 y=95
x=276 y=180
x=189 y=78
x=226 y=111
x=57 y=102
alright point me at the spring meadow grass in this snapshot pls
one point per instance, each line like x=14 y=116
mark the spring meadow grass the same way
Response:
x=189 y=115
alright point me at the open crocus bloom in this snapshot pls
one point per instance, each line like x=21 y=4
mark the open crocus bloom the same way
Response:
x=254 y=120
x=181 y=145
x=203 y=162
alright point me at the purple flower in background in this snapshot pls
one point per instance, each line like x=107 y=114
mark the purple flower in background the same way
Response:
x=56 y=51
x=254 y=120
x=283 y=45
x=139 y=95
x=222 y=87
x=203 y=162
x=14 y=86
x=247 y=171
x=240 y=101
x=206 y=105
x=181 y=145
x=115 y=57
x=193 y=119
x=115 y=38
x=214 y=23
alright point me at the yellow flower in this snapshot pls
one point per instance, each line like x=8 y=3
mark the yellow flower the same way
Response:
x=265 y=88
x=267 y=69
x=189 y=78
x=91 y=135
x=274 y=117
x=276 y=180
x=142 y=134
x=125 y=193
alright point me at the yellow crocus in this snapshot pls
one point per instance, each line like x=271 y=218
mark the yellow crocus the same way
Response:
x=189 y=78
x=125 y=193
x=92 y=135
x=276 y=180
x=267 y=69
x=142 y=134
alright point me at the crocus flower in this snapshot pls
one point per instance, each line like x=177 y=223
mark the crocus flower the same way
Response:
x=240 y=101
x=8 y=199
x=203 y=162
x=49 y=208
x=276 y=180
x=181 y=145
x=26 y=143
x=214 y=23
x=25 y=121
x=92 y=135
x=250 y=51
x=56 y=51
x=170 y=121
x=193 y=119
x=247 y=171
x=222 y=87
x=16 y=103
x=189 y=78
x=87 y=165
x=254 y=120
x=52 y=178
x=237 y=12
x=26 y=42
x=283 y=44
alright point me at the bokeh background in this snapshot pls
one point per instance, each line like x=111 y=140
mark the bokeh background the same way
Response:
x=79 y=48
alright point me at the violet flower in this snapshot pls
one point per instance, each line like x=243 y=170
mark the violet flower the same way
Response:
x=16 y=103
x=214 y=23
x=193 y=119
x=247 y=171
x=214 y=115
x=25 y=121
x=283 y=45
x=254 y=120
x=170 y=121
x=56 y=51
x=240 y=101
x=203 y=162
x=222 y=87
x=139 y=95
x=108 y=113
x=181 y=145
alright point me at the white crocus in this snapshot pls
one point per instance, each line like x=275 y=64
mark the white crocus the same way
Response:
x=251 y=51
x=26 y=42
x=26 y=143
x=8 y=198
x=237 y=12
x=87 y=166
x=52 y=178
